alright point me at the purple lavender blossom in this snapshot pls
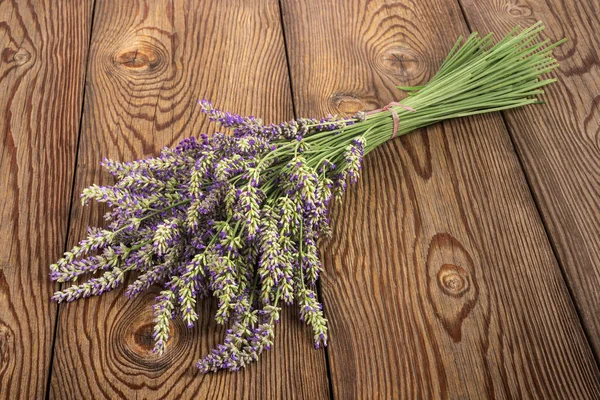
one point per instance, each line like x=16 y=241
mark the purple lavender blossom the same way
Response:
x=232 y=216
x=238 y=216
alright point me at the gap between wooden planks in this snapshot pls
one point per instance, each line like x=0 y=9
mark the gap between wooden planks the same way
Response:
x=344 y=105
x=43 y=47
x=440 y=281
x=559 y=144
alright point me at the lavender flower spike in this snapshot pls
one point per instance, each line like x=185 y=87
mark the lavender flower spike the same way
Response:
x=238 y=216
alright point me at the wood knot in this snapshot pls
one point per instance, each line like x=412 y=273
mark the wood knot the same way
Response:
x=451 y=283
x=133 y=333
x=6 y=345
x=143 y=337
x=401 y=61
x=453 y=280
x=347 y=103
x=19 y=56
x=518 y=10
x=132 y=338
x=140 y=58
x=140 y=338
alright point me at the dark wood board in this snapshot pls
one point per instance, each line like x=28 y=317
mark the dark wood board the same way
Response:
x=559 y=144
x=149 y=63
x=43 y=50
x=440 y=280
x=443 y=279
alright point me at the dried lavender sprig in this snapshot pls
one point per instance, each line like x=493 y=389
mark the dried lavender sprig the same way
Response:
x=238 y=216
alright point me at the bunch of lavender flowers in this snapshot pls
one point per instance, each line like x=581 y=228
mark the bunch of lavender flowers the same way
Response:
x=238 y=216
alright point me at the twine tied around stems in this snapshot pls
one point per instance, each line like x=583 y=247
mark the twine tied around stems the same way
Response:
x=394 y=115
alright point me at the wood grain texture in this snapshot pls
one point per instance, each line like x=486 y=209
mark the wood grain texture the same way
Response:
x=440 y=281
x=149 y=63
x=559 y=144
x=43 y=49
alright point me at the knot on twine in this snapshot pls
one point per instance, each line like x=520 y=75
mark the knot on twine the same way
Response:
x=394 y=114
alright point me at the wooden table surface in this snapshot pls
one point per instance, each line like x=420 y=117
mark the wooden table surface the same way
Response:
x=465 y=264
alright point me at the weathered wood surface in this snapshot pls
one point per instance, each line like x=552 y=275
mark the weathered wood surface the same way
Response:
x=440 y=280
x=43 y=48
x=149 y=63
x=559 y=144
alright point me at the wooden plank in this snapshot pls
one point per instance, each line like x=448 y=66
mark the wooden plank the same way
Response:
x=43 y=49
x=149 y=64
x=559 y=145
x=440 y=281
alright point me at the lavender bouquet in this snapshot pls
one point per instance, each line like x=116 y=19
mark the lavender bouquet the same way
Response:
x=238 y=216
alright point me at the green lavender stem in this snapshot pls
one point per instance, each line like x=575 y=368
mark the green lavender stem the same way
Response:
x=238 y=217
x=475 y=78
